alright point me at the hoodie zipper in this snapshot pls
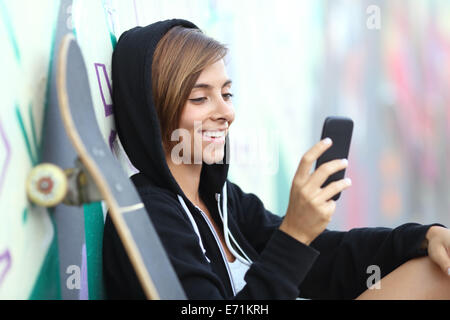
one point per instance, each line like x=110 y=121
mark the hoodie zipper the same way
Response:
x=216 y=237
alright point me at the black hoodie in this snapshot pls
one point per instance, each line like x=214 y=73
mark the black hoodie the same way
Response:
x=333 y=266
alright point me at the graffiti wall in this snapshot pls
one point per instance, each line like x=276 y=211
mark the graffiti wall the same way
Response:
x=391 y=78
x=292 y=63
x=27 y=233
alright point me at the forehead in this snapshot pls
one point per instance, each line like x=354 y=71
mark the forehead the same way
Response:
x=214 y=74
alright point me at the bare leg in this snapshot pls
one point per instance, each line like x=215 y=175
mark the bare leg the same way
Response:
x=417 y=279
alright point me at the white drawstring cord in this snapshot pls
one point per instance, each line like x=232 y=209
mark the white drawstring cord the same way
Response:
x=194 y=225
x=227 y=234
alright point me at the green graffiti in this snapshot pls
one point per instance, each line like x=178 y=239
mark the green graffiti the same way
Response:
x=8 y=25
x=49 y=74
x=112 y=36
x=33 y=133
x=113 y=40
x=48 y=285
x=33 y=159
x=93 y=230
x=25 y=215
x=74 y=32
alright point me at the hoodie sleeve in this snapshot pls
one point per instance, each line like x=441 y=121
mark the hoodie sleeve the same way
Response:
x=340 y=271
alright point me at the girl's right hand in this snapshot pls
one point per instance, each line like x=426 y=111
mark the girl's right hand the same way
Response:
x=310 y=210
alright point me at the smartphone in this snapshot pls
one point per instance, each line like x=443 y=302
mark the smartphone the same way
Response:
x=338 y=129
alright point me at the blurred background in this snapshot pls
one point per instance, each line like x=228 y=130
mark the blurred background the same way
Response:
x=385 y=64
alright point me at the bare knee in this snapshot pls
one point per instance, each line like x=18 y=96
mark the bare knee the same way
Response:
x=418 y=278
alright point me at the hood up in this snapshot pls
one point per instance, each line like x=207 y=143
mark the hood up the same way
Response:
x=136 y=118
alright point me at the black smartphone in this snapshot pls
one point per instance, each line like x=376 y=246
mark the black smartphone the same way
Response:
x=339 y=130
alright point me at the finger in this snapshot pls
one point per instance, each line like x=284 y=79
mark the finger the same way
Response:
x=332 y=189
x=442 y=259
x=319 y=176
x=329 y=207
x=310 y=157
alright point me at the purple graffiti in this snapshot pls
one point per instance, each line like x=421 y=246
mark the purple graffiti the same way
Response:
x=112 y=137
x=4 y=256
x=107 y=106
x=7 y=147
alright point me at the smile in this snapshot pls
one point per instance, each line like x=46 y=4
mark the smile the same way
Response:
x=214 y=136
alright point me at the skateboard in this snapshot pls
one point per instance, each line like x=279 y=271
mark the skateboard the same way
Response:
x=97 y=176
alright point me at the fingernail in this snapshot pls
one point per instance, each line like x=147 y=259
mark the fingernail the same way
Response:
x=345 y=161
x=348 y=181
x=448 y=271
x=327 y=141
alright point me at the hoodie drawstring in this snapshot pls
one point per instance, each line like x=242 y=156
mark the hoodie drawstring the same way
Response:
x=226 y=232
x=194 y=225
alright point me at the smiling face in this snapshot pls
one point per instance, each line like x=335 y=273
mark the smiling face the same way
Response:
x=208 y=114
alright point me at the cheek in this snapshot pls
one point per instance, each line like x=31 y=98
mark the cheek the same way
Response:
x=191 y=120
x=191 y=117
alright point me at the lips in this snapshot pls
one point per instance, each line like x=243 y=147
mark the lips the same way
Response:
x=214 y=135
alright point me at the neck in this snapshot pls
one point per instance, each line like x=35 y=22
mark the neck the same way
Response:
x=187 y=177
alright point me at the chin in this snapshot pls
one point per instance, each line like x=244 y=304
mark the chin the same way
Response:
x=214 y=156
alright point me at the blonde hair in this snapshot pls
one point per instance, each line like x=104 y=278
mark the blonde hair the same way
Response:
x=179 y=58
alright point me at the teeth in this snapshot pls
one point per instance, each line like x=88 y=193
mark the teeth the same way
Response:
x=214 y=133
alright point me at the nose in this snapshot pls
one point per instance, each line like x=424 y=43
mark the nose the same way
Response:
x=224 y=110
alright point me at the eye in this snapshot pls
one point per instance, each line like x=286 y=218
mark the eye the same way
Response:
x=227 y=96
x=198 y=100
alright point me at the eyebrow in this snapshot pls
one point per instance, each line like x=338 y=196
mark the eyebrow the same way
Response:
x=208 y=86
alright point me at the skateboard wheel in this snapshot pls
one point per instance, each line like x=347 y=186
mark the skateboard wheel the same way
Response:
x=46 y=185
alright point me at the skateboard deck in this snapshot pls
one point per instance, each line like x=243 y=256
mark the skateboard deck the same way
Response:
x=140 y=240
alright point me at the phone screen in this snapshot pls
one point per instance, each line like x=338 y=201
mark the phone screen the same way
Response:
x=338 y=129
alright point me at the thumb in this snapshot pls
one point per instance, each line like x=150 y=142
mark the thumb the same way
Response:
x=441 y=257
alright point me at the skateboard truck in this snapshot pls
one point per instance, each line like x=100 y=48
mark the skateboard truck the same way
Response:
x=48 y=185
